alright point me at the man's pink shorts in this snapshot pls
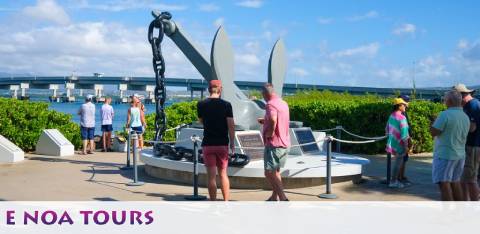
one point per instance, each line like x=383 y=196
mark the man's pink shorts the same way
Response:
x=215 y=156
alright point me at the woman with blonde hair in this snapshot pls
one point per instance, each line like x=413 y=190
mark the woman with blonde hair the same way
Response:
x=136 y=119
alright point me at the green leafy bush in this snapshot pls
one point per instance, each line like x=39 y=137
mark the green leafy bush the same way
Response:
x=22 y=122
x=178 y=113
x=364 y=115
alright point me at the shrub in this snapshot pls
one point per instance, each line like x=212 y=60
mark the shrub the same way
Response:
x=178 y=113
x=22 y=122
x=364 y=115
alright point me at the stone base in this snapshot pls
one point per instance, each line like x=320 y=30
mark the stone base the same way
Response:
x=239 y=182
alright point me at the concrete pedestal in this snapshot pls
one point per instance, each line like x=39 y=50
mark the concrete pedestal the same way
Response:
x=53 y=143
x=9 y=152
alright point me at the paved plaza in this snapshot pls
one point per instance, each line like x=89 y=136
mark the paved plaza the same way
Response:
x=98 y=178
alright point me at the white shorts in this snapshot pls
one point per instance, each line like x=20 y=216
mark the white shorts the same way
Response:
x=444 y=170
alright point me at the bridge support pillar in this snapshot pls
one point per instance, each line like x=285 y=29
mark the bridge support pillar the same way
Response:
x=150 y=94
x=69 y=87
x=54 y=88
x=14 y=90
x=98 y=90
x=123 y=88
x=24 y=87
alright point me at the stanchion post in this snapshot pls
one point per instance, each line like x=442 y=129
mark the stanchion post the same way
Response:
x=339 y=136
x=127 y=166
x=135 y=181
x=328 y=194
x=195 y=196
x=389 y=168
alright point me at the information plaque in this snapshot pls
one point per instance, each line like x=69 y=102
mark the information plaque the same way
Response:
x=251 y=139
x=305 y=135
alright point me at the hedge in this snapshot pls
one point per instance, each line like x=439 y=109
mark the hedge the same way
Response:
x=22 y=122
x=178 y=113
x=364 y=115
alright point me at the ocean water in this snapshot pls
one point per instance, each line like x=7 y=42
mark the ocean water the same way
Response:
x=119 y=119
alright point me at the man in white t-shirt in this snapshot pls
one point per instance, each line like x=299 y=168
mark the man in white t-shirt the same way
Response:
x=87 y=125
x=107 y=117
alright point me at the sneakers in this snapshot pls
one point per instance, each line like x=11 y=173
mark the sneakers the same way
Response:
x=406 y=182
x=396 y=184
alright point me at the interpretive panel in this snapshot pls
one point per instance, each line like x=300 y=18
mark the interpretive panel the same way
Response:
x=305 y=135
x=251 y=139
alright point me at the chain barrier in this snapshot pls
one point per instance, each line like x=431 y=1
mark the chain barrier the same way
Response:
x=326 y=130
x=159 y=69
x=363 y=137
x=198 y=139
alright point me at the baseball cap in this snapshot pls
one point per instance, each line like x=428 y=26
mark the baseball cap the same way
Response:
x=462 y=88
x=398 y=101
x=215 y=83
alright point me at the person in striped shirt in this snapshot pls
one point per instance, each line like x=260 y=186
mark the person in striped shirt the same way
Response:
x=397 y=140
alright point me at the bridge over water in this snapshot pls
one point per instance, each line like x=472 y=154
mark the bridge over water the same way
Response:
x=147 y=84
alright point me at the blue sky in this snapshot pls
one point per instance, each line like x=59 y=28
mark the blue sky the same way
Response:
x=355 y=43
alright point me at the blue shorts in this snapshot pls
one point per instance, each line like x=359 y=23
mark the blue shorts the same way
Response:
x=444 y=170
x=138 y=130
x=87 y=133
x=107 y=128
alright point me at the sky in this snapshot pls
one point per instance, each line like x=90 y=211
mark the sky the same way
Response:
x=345 y=42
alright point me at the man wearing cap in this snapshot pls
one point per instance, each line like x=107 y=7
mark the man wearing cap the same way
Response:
x=397 y=139
x=87 y=125
x=216 y=115
x=450 y=131
x=471 y=107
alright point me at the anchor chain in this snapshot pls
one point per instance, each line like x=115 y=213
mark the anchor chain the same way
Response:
x=159 y=69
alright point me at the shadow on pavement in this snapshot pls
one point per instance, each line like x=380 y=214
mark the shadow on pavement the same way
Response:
x=418 y=171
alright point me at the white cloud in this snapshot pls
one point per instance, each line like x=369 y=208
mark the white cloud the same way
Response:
x=266 y=24
x=247 y=59
x=462 y=44
x=405 y=29
x=296 y=54
x=472 y=51
x=47 y=10
x=301 y=72
x=250 y=3
x=368 y=51
x=86 y=48
x=369 y=15
x=209 y=7
x=324 y=20
x=219 y=22
x=432 y=67
x=122 y=5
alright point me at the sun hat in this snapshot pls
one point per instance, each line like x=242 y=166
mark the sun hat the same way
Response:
x=462 y=88
x=398 y=101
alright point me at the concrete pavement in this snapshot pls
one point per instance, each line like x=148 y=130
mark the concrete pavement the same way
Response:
x=97 y=177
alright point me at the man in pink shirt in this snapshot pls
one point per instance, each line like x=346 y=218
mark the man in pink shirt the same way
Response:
x=276 y=138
